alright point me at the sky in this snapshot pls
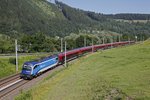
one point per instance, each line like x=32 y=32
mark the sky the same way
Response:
x=111 y=6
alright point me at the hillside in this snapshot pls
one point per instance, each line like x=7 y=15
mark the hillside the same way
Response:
x=31 y=16
x=114 y=75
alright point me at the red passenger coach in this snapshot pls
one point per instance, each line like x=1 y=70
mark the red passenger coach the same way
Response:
x=80 y=51
x=69 y=54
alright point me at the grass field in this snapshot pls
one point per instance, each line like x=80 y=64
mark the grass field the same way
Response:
x=116 y=74
x=7 y=63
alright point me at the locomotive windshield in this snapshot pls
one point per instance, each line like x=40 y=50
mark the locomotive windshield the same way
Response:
x=26 y=67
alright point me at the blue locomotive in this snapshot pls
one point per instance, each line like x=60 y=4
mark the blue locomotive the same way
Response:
x=34 y=68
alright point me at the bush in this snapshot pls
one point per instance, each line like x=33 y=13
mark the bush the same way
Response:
x=12 y=61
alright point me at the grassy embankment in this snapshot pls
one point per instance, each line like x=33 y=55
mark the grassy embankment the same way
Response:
x=119 y=73
x=7 y=64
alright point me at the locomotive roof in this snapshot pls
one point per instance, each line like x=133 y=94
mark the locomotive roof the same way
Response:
x=75 y=50
x=39 y=60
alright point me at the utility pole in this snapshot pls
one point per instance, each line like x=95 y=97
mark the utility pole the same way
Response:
x=119 y=38
x=84 y=41
x=61 y=44
x=103 y=40
x=129 y=39
x=99 y=40
x=111 y=41
x=65 y=54
x=136 y=38
x=92 y=46
x=16 y=49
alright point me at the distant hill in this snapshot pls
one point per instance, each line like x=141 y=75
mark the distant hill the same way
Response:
x=19 y=17
x=129 y=16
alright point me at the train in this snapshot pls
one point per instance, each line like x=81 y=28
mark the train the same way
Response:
x=32 y=69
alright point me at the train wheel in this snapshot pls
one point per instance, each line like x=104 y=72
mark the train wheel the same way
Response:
x=31 y=78
x=35 y=76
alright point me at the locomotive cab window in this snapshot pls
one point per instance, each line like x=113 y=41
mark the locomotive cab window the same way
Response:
x=26 y=67
x=35 y=66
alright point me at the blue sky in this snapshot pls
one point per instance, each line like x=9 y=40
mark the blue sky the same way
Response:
x=111 y=6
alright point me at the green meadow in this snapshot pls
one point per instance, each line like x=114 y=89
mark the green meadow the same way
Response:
x=121 y=73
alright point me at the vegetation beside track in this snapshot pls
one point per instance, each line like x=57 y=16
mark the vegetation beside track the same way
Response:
x=114 y=74
x=7 y=63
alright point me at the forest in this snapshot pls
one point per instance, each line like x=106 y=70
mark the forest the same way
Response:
x=38 y=25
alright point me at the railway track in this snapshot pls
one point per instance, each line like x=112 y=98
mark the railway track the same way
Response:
x=9 y=79
x=13 y=82
x=6 y=84
x=9 y=88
